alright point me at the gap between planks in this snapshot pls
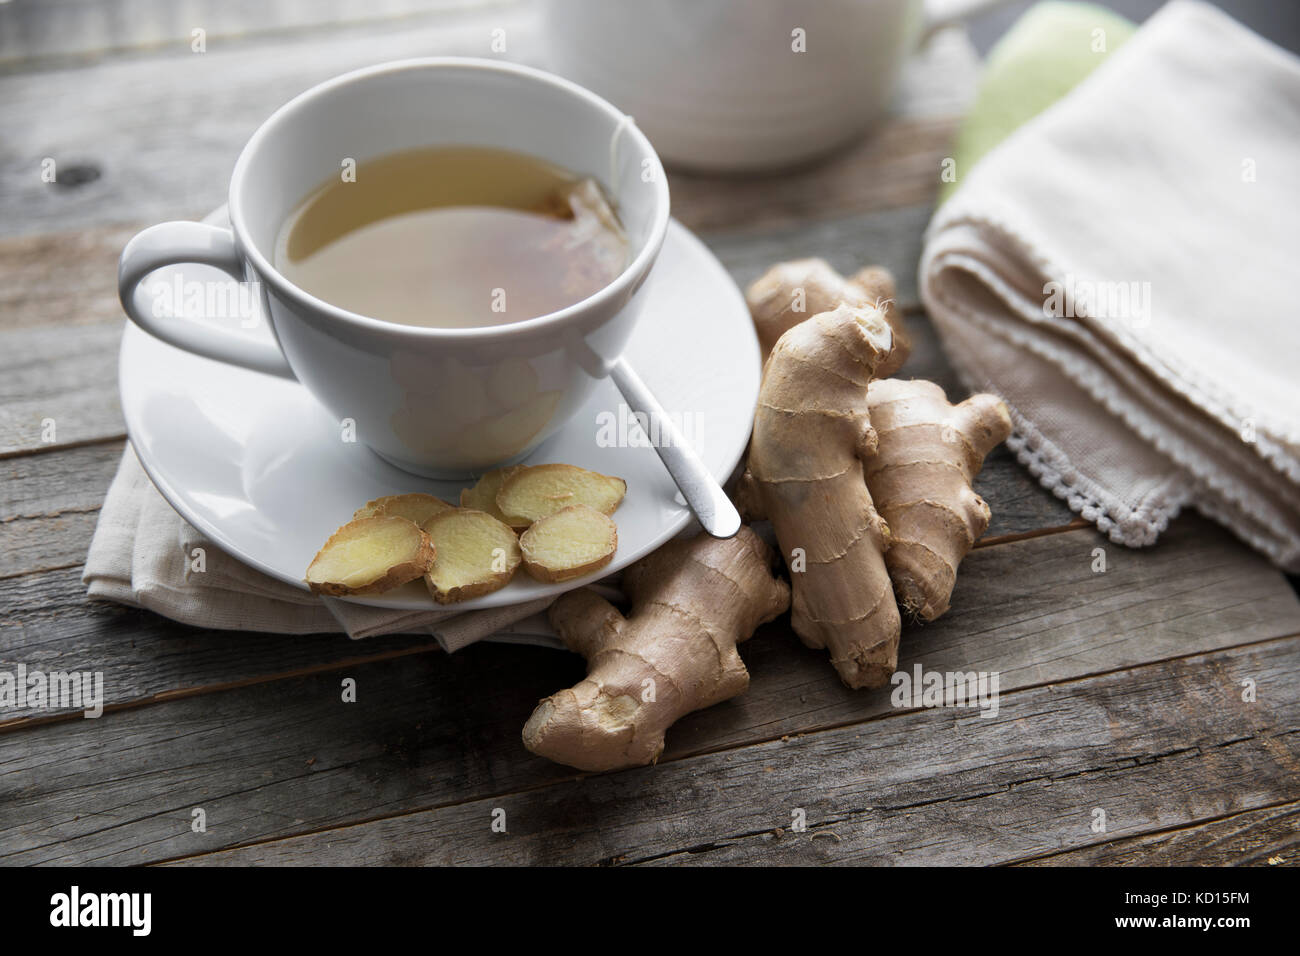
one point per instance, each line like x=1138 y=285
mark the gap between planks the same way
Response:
x=181 y=693
x=1008 y=700
x=793 y=693
x=1005 y=698
x=1191 y=828
x=46 y=449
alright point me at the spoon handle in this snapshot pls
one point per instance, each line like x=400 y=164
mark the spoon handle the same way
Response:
x=702 y=492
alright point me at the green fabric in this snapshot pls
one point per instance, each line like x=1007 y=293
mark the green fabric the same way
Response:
x=1041 y=58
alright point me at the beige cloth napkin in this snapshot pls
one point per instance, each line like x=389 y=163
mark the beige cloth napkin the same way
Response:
x=142 y=555
x=1170 y=176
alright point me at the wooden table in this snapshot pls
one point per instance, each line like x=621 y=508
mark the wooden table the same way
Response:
x=1121 y=692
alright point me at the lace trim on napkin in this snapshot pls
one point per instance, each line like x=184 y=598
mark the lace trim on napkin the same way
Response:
x=1121 y=522
x=1273 y=434
x=1134 y=528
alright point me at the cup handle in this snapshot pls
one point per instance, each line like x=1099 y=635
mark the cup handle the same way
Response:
x=176 y=243
x=946 y=13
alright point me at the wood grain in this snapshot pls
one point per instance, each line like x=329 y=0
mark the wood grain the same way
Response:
x=47 y=622
x=50 y=504
x=1154 y=747
x=34 y=33
x=61 y=323
x=162 y=131
x=1035 y=611
x=58 y=384
x=896 y=166
x=1064 y=613
x=429 y=730
x=63 y=278
x=890 y=238
x=1266 y=837
x=1120 y=690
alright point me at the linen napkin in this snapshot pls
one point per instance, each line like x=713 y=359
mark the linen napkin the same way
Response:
x=144 y=554
x=1120 y=269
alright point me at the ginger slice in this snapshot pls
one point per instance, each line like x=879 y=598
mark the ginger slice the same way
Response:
x=415 y=507
x=534 y=492
x=568 y=544
x=483 y=496
x=370 y=555
x=692 y=601
x=477 y=554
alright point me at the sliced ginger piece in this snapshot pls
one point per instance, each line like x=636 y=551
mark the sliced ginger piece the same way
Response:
x=477 y=554
x=483 y=496
x=415 y=507
x=370 y=555
x=536 y=491
x=568 y=544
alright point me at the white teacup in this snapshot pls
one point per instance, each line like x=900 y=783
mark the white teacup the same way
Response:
x=446 y=403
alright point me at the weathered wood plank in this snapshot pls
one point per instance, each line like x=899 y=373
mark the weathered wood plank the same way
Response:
x=413 y=734
x=70 y=278
x=891 y=238
x=1034 y=611
x=64 y=278
x=58 y=386
x=49 y=505
x=163 y=130
x=47 y=623
x=81 y=28
x=1153 y=747
x=135 y=767
x=69 y=375
x=33 y=487
x=44 y=616
x=897 y=166
x=1267 y=837
x=159 y=133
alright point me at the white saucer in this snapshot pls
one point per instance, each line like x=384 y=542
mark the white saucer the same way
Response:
x=257 y=465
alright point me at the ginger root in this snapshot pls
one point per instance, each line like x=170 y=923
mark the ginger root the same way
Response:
x=927 y=456
x=812 y=432
x=692 y=602
x=790 y=292
x=867 y=480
